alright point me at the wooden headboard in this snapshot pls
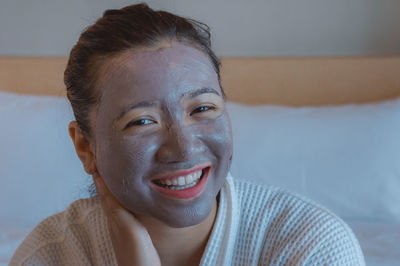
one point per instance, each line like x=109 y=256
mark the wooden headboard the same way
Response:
x=262 y=80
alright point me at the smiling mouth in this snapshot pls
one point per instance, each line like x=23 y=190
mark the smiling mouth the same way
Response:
x=181 y=182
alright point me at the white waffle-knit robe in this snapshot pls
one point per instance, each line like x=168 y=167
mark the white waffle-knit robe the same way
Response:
x=255 y=225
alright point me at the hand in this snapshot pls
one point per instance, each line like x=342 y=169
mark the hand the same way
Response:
x=131 y=241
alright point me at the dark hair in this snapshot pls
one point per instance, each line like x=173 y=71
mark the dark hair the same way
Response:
x=116 y=32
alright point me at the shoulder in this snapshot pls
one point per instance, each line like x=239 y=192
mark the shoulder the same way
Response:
x=55 y=227
x=62 y=236
x=289 y=223
x=275 y=200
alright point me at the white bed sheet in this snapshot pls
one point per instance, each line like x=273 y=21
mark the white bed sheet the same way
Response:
x=380 y=241
x=11 y=235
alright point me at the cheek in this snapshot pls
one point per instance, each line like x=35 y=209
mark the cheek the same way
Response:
x=123 y=162
x=219 y=140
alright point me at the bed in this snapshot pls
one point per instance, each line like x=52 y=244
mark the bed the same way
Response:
x=324 y=127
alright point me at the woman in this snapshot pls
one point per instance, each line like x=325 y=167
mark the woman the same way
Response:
x=152 y=129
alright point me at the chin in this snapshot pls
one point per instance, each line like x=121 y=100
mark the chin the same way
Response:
x=189 y=218
x=190 y=215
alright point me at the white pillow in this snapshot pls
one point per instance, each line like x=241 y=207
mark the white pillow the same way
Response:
x=344 y=157
x=40 y=173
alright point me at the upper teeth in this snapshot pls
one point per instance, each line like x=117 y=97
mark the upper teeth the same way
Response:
x=181 y=180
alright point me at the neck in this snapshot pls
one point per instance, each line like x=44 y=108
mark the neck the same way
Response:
x=180 y=246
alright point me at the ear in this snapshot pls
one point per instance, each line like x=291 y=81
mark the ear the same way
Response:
x=82 y=148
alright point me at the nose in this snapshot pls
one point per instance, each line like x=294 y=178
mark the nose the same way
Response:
x=180 y=144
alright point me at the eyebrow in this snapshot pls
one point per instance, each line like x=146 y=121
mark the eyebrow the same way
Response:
x=201 y=91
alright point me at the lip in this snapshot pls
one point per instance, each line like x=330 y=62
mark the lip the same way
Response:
x=187 y=193
x=182 y=172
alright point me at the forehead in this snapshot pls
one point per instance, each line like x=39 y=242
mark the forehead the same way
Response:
x=163 y=71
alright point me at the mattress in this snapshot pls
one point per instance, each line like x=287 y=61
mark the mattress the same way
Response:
x=11 y=235
x=380 y=242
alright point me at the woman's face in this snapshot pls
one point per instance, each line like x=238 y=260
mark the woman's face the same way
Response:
x=160 y=124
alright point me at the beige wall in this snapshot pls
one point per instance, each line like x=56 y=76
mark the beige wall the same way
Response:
x=241 y=28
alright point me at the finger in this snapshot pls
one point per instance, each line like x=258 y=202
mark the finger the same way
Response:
x=114 y=210
x=107 y=199
x=103 y=191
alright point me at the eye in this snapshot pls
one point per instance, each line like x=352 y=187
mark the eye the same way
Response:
x=202 y=109
x=141 y=122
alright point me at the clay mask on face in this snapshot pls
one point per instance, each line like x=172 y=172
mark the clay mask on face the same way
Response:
x=163 y=136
